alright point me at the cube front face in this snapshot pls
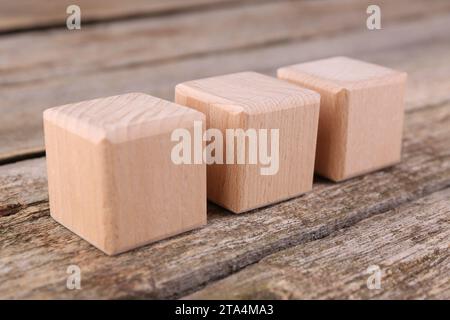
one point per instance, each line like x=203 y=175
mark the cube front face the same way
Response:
x=294 y=113
x=297 y=140
x=153 y=197
x=119 y=194
x=375 y=126
x=361 y=115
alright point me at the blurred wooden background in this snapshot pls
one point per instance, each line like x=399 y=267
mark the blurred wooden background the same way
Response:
x=318 y=245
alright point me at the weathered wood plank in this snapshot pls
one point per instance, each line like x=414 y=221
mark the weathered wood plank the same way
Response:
x=22 y=184
x=159 y=40
x=410 y=245
x=29 y=14
x=36 y=250
x=131 y=61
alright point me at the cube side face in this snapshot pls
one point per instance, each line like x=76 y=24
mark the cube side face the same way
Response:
x=220 y=177
x=76 y=181
x=332 y=128
x=375 y=127
x=154 y=197
x=226 y=181
x=332 y=134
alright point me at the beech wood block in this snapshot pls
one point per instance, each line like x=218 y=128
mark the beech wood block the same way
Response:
x=110 y=175
x=361 y=114
x=254 y=101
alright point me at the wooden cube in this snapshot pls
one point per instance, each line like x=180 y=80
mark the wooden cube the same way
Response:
x=361 y=114
x=110 y=174
x=250 y=102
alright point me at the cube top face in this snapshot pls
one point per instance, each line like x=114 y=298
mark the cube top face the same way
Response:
x=248 y=93
x=341 y=73
x=121 y=118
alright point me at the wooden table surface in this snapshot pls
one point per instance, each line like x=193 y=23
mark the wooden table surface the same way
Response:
x=315 y=246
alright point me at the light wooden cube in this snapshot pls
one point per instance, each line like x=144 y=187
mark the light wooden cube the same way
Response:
x=254 y=101
x=361 y=114
x=110 y=174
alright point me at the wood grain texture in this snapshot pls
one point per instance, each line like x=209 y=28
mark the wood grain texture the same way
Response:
x=410 y=245
x=29 y=14
x=70 y=63
x=111 y=177
x=252 y=102
x=22 y=184
x=361 y=114
x=144 y=42
x=36 y=251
